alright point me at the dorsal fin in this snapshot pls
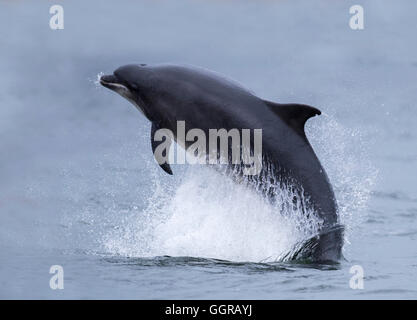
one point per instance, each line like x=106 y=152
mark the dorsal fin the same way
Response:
x=295 y=115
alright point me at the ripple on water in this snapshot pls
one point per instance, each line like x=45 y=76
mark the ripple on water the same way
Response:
x=224 y=265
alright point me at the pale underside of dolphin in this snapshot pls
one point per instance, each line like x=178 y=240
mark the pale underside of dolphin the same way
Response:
x=203 y=99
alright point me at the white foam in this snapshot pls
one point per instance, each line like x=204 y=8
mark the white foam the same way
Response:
x=209 y=216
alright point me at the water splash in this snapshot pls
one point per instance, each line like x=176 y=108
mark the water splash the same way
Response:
x=203 y=213
x=344 y=154
x=211 y=216
x=96 y=81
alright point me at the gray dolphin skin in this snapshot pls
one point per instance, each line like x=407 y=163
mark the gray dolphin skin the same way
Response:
x=206 y=100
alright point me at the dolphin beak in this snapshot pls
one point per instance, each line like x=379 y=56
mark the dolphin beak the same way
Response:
x=111 y=82
x=108 y=79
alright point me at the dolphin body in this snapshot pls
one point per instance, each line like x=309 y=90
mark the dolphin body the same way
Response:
x=206 y=100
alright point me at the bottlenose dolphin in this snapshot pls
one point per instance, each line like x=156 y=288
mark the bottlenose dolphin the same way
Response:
x=204 y=99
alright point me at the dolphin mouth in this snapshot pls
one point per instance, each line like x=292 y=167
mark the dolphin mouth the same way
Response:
x=112 y=82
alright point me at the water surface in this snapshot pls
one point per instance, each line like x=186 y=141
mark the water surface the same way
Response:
x=79 y=187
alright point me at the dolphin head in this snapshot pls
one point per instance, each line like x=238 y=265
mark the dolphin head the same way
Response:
x=131 y=82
